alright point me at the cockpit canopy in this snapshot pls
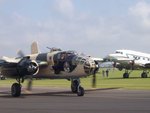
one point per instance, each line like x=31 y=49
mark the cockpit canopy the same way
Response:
x=119 y=52
x=69 y=60
x=64 y=55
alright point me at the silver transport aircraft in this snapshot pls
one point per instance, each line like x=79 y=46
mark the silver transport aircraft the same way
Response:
x=130 y=60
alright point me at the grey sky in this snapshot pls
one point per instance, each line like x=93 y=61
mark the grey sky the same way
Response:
x=95 y=27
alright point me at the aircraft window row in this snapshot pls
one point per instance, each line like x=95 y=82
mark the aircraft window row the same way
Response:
x=64 y=55
x=78 y=60
x=145 y=58
x=148 y=59
x=135 y=57
x=142 y=58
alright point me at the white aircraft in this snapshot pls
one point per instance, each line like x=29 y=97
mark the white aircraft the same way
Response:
x=130 y=60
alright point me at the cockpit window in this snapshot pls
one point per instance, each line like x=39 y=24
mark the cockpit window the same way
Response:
x=119 y=52
x=78 y=60
x=62 y=56
x=69 y=56
x=58 y=56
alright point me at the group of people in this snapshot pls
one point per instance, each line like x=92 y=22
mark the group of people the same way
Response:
x=105 y=73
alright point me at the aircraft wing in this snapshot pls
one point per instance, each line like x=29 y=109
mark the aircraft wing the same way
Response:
x=13 y=61
x=2 y=62
x=12 y=67
x=97 y=59
x=5 y=61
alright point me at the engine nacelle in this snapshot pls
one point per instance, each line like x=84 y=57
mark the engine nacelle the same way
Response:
x=27 y=67
x=33 y=68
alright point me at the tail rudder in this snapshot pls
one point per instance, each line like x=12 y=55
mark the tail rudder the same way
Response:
x=34 y=48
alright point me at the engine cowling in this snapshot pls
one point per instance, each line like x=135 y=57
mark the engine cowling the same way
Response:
x=33 y=68
x=27 y=67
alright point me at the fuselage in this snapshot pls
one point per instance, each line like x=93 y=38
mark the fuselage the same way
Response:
x=127 y=58
x=51 y=65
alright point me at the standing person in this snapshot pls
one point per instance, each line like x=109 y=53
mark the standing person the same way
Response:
x=103 y=72
x=107 y=72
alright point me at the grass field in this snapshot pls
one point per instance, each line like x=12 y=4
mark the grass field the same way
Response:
x=114 y=80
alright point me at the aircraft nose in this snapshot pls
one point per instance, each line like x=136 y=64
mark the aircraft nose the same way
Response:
x=89 y=66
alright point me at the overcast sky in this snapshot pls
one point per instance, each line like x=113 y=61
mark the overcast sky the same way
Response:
x=94 y=27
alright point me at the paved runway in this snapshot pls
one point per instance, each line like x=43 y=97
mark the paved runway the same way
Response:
x=63 y=101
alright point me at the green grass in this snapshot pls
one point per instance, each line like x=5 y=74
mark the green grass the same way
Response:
x=114 y=80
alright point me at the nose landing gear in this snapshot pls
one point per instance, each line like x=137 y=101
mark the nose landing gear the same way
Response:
x=144 y=74
x=16 y=90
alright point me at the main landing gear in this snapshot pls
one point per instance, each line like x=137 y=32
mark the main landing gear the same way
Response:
x=126 y=74
x=16 y=88
x=144 y=74
x=76 y=88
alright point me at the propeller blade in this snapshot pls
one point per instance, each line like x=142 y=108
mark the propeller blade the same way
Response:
x=97 y=66
x=29 y=83
x=20 y=53
x=94 y=81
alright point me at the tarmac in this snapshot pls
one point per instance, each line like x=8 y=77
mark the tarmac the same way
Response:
x=58 y=100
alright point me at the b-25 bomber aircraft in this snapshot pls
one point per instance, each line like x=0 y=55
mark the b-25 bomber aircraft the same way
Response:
x=56 y=64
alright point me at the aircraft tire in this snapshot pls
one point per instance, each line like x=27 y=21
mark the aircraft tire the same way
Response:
x=16 y=90
x=80 y=91
x=126 y=75
x=144 y=75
